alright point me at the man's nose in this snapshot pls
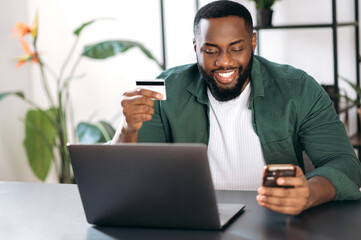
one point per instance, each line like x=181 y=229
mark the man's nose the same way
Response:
x=224 y=60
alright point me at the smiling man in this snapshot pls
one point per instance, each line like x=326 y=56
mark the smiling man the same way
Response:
x=225 y=54
x=250 y=112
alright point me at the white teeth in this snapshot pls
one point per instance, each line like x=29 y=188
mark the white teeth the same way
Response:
x=226 y=75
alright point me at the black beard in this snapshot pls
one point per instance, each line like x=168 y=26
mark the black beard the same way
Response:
x=226 y=94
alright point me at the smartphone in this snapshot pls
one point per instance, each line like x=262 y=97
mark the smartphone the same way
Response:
x=272 y=171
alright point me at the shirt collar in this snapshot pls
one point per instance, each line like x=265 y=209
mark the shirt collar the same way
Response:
x=256 y=81
x=198 y=88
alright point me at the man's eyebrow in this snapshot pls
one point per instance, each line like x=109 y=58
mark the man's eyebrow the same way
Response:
x=210 y=44
x=235 y=42
x=232 y=43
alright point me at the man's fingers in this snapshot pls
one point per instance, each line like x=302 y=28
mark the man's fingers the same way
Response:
x=286 y=205
x=299 y=172
x=283 y=192
x=136 y=100
x=291 y=181
x=298 y=181
x=292 y=210
x=138 y=118
x=279 y=201
x=279 y=192
x=136 y=109
x=144 y=92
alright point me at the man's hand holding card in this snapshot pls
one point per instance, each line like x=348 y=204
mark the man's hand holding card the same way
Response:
x=138 y=108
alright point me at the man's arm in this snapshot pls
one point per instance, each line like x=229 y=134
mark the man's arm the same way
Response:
x=337 y=173
x=137 y=108
x=122 y=135
x=321 y=191
x=304 y=195
x=324 y=138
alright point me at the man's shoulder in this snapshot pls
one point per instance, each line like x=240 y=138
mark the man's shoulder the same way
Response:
x=279 y=71
x=284 y=77
x=284 y=81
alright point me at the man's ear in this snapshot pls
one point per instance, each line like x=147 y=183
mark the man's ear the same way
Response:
x=254 y=41
x=194 y=44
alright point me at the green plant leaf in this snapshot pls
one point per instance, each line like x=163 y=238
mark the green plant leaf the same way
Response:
x=19 y=94
x=106 y=49
x=353 y=85
x=40 y=136
x=348 y=99
x=80 y=29
x=94 y=133
x=107 y=130
x=88 y=133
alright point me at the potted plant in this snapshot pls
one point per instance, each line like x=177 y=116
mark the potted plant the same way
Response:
x=264 y=12
x=355 y=102
x=47 y=130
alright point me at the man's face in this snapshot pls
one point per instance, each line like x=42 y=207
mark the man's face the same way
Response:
x=224 y=50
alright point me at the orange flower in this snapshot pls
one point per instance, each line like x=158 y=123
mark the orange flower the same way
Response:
x=21 y=29
x=29 y=56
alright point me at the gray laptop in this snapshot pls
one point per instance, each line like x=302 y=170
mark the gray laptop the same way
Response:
x=149 y=185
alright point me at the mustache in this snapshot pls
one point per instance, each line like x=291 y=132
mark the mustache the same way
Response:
x=226 y=69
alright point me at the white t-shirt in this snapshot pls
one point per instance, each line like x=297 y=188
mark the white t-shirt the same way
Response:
x=234 y=150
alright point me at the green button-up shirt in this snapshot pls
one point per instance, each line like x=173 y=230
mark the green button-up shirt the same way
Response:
x=291 y=113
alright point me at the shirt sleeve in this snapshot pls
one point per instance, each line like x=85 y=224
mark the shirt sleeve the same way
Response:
x=325 y=141
x=153 y=131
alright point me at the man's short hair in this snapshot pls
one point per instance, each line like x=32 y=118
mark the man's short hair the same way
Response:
x=223 y=8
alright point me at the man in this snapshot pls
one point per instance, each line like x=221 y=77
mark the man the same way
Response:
x=250 y=112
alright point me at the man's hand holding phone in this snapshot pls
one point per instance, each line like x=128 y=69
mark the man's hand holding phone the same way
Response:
x=285 y=189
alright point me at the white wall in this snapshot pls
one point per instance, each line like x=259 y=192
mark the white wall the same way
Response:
x=100 y=90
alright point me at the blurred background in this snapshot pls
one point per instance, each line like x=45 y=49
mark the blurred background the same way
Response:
x=97 y=95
